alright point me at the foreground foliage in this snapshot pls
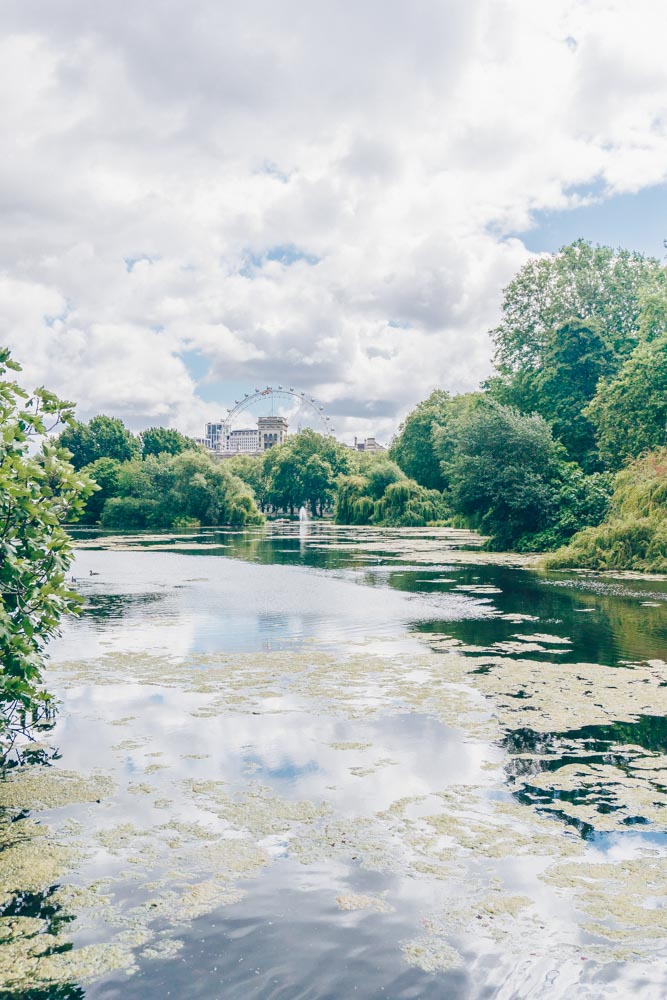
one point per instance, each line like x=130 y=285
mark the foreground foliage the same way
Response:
x=39 y=491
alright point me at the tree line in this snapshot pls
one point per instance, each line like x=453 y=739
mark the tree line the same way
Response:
x=578 y=392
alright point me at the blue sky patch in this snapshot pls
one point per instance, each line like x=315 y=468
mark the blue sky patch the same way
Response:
x=633 y=221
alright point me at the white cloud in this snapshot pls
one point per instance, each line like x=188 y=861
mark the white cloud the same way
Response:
x=158 y=154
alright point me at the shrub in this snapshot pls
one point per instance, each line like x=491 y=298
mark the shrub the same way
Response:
x=634 y=536
x=130 y=514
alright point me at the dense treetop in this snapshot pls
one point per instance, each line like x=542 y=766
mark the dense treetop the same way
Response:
x=581 y=282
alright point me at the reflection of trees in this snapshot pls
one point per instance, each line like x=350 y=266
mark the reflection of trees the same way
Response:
x=275 y=545
x=532 y=753
x=40 y=906
x=618 y=626
x=109 y=607
x=43 y=907
x=28 y=729
x=648 y=731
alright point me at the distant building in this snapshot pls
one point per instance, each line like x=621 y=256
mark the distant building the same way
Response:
x=244 y=441
x=369 y=444
x=271 y=430
x=216 y=435
x=225 y=442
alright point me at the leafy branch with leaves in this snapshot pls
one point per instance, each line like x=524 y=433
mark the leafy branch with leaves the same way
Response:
x=39 y=491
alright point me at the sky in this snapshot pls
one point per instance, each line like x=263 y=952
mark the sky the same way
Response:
x=198 y=198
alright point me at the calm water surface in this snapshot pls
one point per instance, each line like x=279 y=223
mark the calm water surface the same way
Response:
x=334 y=762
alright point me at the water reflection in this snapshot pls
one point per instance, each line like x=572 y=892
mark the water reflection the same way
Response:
x=335 y=771
x=607 y=621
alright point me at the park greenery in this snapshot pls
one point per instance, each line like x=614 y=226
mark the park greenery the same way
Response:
x=565 y=438
x=541 y=452
x=39 y=491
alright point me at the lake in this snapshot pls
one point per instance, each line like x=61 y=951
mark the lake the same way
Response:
x=331 y=762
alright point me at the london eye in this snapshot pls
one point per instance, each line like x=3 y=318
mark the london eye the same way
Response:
x=301 y=408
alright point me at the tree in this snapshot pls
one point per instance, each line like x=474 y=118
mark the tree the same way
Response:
x=407 y=504
x=101 y=437
x=629 y=412
x=167 y=490
x=289 y=484
x=574 y=358
x=502 y=472
x=413 y=449
x=381 y=472
x=39 y=491
x=250 y=468
x=353 y=504
x=164 y=440
x=318 y=482
x=105 y=472
x=579 y=282
x=633 y=536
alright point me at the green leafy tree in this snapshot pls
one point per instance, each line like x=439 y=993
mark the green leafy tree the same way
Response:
x=579 y=501
x=574 y=358
x=293 y=479
x=39 y=491
x=629 y=412
x=250 y=468
x=166 y=490
x=105 y=472
x=407 y=504
x=579 y=282
x=318 y=482
x=354 y=505
x=413 y=449
x=164 y=440
x=101 y=437
x=380 y=473
x=502 y=472
x=446 y=434
x=284 y=490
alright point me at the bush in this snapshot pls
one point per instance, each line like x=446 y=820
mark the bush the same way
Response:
x=579 y=501
x=186 y=523
x=638 y=543
x=130 y=514
x=634 y=536
x=169 y=491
